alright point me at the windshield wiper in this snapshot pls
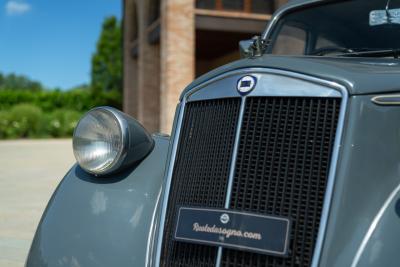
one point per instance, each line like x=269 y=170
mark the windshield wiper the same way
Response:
x=373 y=53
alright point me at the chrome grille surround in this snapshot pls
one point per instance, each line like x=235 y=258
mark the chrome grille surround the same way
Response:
x=271 y=82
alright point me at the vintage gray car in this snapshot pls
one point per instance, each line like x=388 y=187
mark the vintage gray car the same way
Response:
x=287 y=157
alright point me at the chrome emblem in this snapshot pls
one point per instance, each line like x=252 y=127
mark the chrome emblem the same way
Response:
x=224 y=218
x=246 y=84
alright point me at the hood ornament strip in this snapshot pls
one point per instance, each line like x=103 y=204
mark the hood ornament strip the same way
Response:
x=386 y=100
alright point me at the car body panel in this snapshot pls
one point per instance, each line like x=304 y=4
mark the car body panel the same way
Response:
x=107 y=221
x=111 y=221
x=380 y=246
x=368 y=173
x=101 y=221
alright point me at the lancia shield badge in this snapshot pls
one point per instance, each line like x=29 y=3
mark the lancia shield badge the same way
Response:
x=224 y=218
x=246 y=84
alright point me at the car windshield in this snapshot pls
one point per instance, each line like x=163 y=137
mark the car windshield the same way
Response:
x=345 y=28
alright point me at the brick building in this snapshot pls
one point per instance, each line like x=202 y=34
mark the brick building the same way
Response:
x=167 y=43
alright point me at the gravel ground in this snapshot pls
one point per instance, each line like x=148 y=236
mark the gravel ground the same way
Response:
x=30 y=171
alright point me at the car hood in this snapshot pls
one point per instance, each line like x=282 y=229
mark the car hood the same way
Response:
x=359 y=75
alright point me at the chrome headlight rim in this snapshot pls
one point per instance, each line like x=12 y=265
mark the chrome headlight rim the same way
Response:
x=121 y=155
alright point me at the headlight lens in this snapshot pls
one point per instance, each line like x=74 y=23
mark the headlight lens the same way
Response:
x=98 y=141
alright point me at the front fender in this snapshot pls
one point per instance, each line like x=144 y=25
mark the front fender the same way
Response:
x=380 y=246
x=93 y=221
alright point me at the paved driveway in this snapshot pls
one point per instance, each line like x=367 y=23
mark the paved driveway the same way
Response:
x=29 y=173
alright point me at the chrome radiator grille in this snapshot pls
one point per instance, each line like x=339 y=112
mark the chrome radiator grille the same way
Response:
x=281 y=168
x=201 y=173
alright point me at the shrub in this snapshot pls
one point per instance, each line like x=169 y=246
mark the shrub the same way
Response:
x=28 y=121
x=4 y=124
x=23 y=120
x=48 y=101
x=48 y=113
x=71 y=119
x=61 y=123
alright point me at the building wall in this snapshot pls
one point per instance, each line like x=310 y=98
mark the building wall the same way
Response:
x=130 y=63
x=177 y=55
x=149 y=73
x=156 y=72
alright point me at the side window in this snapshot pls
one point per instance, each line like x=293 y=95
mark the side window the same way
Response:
x=324 y=42
x=290 y=41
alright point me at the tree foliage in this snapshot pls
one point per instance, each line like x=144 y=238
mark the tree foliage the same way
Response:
x=106 y=74
x=29 y=110
x=18 y=82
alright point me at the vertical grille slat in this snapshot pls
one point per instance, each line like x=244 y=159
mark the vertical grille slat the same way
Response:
x=282 y=165
x=201 y=173
x=296 y=136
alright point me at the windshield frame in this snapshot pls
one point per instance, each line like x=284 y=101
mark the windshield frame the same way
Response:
x=312 y=37
x=267 y=34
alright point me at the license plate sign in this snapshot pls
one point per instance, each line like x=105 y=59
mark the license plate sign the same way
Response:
x=233 y=229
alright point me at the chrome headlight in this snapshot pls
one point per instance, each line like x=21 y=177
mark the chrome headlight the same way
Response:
x=107 y=140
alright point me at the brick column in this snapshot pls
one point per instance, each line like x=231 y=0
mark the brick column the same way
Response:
x=177 y=55
x=279 y=3
x=149 y=74
x=130 y=64
x=130 y=103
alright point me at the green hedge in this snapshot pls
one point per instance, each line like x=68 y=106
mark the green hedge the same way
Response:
x=47 y=101
x=25 y=114
x=29 y=121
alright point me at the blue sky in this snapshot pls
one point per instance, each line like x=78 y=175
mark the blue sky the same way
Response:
x=52 y=40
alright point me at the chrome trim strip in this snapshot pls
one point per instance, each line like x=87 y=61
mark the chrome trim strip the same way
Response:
x=232 y=167
x=150 y=248
x=167 y=184
x=219 y=257
x=235 y=152
x=386 y=100
x=373 y=226
x=331 y=179
x=332 y=171
x=277 y=85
